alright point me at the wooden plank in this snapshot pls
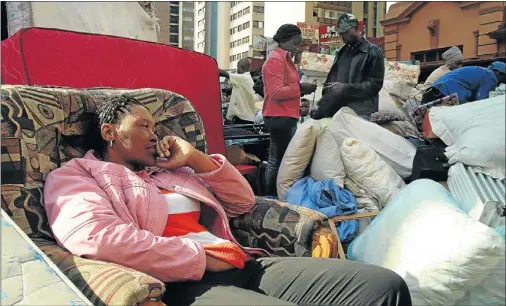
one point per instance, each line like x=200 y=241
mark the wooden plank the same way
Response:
x=355 y=216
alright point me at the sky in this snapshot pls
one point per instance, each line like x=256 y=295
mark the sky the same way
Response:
x=279 y=13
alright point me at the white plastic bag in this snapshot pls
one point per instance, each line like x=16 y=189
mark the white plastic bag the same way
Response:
x=393 y=149
x=435 y=247
x=326 y=162
x=474 y=133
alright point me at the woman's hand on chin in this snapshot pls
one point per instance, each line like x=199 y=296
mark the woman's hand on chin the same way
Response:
x=173 y=152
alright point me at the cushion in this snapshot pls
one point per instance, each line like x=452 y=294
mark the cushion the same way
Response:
x=368 y=171
x=475 y=134
x=297 y=156
x=326 y=162
x=424 y=237
x=393 y=149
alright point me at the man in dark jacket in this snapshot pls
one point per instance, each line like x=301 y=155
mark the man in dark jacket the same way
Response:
x=356 y=76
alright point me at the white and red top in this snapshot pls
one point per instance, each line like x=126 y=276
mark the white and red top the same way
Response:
x=183 y=221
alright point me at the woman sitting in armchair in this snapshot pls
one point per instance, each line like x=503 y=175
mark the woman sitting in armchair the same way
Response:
x=162 y=207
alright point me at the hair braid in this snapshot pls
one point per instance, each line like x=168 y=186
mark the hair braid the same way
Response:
x=109 y=112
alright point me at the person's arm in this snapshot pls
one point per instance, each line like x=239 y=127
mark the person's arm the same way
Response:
x=224 y=74
x=370 y=87
x=273 y=73
x=487 y=85
x=228 y=185
x=84 y=221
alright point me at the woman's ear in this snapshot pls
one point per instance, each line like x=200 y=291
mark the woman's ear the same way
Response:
x=107 y=131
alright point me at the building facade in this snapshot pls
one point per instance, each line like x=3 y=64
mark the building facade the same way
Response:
x=229 y=31
x=186 y=25
x=424 y=30
x=176 y=23
x=327 y=13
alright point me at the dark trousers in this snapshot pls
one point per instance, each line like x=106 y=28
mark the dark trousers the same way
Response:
x=281 y=130
x=290 y=281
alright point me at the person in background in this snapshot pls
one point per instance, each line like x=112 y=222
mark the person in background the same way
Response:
x=304 y=110
x=453 y=58
x=161 y=207
x=241 y=109
x=469 y=83
x=282 y=91
x=356 y=77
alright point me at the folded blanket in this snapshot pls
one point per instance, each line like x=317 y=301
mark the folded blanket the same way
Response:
x=328 y=198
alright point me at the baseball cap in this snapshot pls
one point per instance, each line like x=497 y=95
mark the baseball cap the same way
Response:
x=498 y=66
x=346 y=22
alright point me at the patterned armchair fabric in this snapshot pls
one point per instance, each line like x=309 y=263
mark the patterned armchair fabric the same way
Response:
x=281 y=229
x=42 y=128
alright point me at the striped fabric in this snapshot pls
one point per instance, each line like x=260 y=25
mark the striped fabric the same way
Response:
x=183 y=221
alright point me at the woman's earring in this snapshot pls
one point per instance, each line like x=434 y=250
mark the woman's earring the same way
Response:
x=110 y=143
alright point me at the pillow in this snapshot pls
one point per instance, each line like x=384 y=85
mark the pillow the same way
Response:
x=474 y=133
x=367 y=170
x=326 y=162
x=393 y=149
x=439 y=251
x=297 y=156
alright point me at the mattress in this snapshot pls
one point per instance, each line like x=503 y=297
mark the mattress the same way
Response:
x=37 y=56
x=28 y=275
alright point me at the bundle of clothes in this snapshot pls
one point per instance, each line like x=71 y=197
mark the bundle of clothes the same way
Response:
x=342 y=166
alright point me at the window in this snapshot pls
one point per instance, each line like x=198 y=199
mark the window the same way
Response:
x=239 y=14
x=190 y=19
x=239 y=28
x=231 y=58
x=188 y=29
x=202 y=11
x=232 y=18
x=235 y=16
x=258 y=24
x=187 y=38
x=231 y=45
x=174 y=19
x=366 y=25
x=257 y=53
x=245 y=40
x=258 y=9
x=188 y=9
x=245 y=54
x=245 y=25
x=245 y=11
x=366 y=7
x=174 y=9
x=201 y=22
x=174 y=38
x=174 y=29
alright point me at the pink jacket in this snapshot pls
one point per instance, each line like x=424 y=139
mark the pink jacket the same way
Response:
x=105 y=211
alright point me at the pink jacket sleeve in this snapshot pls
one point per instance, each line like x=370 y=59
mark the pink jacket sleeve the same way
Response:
x=84 y=222
x=274 y=74
x=230 y=187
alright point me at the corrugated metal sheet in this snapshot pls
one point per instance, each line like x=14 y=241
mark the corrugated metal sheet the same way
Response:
x=479 y=195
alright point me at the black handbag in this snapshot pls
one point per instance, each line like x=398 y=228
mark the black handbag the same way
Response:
x=430 y=162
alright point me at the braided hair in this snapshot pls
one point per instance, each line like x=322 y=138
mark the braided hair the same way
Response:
x=286 y=32
x=111 y=112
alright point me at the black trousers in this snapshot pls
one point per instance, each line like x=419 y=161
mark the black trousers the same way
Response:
x=281 y=130
x=290 y=281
